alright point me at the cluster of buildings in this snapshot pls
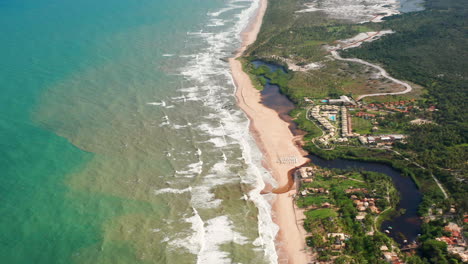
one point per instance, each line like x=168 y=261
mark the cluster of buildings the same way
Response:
x=365 y=115
x=363 y=204
x=380 y=140
x=420 y=121
x=355 y=190
x=328 y=113
x=398 y=106
x=391 y=257
x=325 y=115
x=338 y=240
x=315 y=190
x=306 y=172
x=456 y=245
x=345 y=127
x=306 y=175
x=341 y=130
x=344 y=100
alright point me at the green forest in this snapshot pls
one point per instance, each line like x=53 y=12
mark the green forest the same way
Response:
x=430 y=48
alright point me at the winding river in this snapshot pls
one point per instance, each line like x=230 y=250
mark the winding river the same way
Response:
x=408 y=223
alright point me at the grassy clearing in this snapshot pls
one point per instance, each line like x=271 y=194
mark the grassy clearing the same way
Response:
x=321 y=213
x=361 y=125
x=299 y=115
x=312 y=200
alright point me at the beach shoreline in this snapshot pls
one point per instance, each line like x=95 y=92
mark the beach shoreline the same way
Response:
x=276 y=142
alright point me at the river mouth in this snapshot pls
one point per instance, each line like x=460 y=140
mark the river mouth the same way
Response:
x=407 y=224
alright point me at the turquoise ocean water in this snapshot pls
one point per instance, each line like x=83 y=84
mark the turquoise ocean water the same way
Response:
x=120 y=140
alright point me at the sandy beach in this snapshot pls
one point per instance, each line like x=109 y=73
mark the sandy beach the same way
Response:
x=276 y=141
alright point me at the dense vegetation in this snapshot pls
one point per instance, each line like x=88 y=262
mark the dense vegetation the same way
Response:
x=300 y=39
x=360 y=247
x=430 y=48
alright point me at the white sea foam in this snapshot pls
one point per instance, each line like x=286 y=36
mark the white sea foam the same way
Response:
x=194 y=243
x=226 y=9
x=218 y=142
x=203 y=198
x=162 y=103
x=218 y=231
x=180 y=126
x=172 y=190
x=193 y=169
x=225 y=128
x=224 y=157
x=165 y=122
x=216 y=23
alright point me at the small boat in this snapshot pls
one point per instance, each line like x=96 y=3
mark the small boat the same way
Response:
x=386 y=231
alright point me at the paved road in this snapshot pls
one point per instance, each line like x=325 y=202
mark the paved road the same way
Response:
x=382 y=71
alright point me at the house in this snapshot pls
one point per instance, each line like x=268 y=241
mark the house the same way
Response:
x=391 y=257
x=343 y=100
x=454 y=229
x=456 y=243
x=362 y=139
x=420 y=121
x=361 y=216
x=341 y=236
x=306 y=172
x=462 y=252
x=365 y=115
x=318 y=190
x=374 y=209
x=355 y=190
x=397 y=136
x=452 y=209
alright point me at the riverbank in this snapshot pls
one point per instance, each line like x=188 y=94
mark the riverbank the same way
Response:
x=276 y=141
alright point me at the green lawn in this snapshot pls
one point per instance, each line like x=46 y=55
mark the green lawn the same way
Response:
x=312 y=200
x=361 y=125
x=299 y=116
x=334 y=183
x=321 y=213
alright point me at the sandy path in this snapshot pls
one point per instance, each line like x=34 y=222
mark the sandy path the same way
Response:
x=382 y=71
x=276 y=141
